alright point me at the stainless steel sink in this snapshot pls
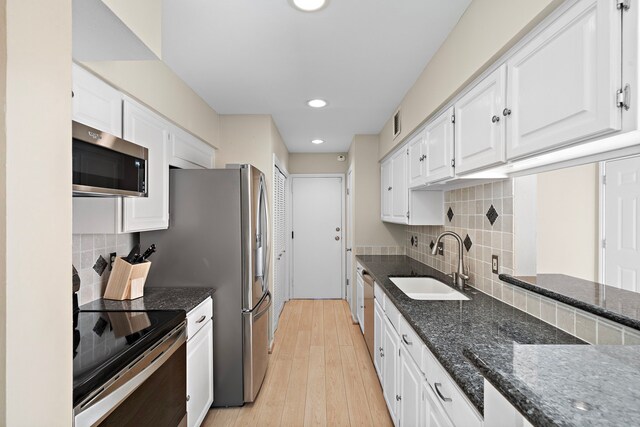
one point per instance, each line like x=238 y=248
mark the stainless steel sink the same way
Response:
x=426 y=288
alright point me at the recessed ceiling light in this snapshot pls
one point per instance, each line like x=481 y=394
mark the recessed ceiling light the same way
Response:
x=309 y=5
x=317 y=141
x=317 y=103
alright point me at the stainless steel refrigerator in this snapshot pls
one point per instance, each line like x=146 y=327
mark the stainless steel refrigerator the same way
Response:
x=218 y=237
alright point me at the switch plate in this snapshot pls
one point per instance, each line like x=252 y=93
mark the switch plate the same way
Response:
x=494 y=264
x=441 y=248
x=416 y=241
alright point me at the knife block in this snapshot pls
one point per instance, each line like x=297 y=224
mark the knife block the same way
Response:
x=126 y=281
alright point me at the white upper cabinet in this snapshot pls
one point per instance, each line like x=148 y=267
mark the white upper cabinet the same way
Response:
x=95 y=103
x=417 y=161
x=386 y=188
x=562 y=84
x=438 y=137
x=147 y=129
x=399 y=190
x=479 y=125
x=188 y=152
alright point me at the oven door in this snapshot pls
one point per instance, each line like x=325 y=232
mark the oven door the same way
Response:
x=151 y=392
x=104 y=165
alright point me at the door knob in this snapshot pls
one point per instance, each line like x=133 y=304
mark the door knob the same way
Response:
x=337 y=237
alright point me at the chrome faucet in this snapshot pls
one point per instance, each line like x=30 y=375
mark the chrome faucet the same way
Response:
x=461 y=276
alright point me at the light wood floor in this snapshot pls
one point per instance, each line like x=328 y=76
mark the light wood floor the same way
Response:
x=320 y=373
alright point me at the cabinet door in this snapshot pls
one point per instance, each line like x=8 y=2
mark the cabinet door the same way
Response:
x=147 y=129
x=390 y=361
x=385 y=195
x=378 y=330
x=360 y=301
x=199 y=375
x=95 y=103
x=439 y=147
x=416 y=161
x=431 y=414
x=399 y=192
x=188 y=152
x=562 y=84
x=410 y=390
x=479 y=126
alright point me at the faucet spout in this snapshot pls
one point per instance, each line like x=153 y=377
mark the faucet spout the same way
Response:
x=460 y=277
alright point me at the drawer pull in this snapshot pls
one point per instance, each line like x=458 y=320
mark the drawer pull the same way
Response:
x=404 y=338
x=437 y=388
x=201 y=319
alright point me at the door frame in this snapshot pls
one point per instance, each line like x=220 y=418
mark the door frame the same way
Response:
x=349 y=273
x=294 y=176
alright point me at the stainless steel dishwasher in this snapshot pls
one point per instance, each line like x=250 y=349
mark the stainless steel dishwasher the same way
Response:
x=368 y=311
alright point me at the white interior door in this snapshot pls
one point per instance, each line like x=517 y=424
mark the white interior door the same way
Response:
x=317 y=242
x=622 y=224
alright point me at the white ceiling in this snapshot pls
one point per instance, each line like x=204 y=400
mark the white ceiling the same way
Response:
x=265 y=57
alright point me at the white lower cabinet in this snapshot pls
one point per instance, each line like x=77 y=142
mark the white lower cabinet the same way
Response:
x=417 y=389
x=498 y=412
x=199 y=363
x=360 y=301
x=378 y=322
x=390 y=343
x=410 y=385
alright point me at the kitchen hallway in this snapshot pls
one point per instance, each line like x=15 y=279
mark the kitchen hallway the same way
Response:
x=320 y=373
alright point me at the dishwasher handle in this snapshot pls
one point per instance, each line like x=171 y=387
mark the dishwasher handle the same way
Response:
x=367 y=278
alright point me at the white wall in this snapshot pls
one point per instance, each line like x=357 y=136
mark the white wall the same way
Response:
x=568 y=222
x=35 y=222
x=486 y=30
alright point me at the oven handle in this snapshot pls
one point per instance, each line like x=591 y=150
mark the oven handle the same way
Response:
x=98 y=406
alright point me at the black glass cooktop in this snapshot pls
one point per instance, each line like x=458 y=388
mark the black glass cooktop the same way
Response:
x=105 y=342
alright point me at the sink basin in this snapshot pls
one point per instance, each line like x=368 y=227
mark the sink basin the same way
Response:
x=426 y=288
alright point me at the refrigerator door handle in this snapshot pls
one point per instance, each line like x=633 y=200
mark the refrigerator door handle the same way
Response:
x=255 y=307
x=263 y=245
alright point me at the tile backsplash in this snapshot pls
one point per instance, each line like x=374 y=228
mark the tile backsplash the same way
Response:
x=483 y=217
x=380 y=250
x=87 y=249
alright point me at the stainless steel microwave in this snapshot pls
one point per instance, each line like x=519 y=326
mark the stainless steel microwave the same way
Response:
x=107 y=166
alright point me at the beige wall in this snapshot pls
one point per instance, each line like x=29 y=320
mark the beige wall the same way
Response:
x=36 y=345
x=486 y=30
x=144 y=18
x=154 y=84
x=317 y=163
x=568 y=222
x=369 y=228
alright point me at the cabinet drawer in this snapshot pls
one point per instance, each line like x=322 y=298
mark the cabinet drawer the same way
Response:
x=378 y=294
x=198 y=317
x=411 y=341
x=452 y=399
x=393 y=314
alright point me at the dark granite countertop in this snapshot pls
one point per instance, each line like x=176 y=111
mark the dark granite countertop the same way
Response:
x=447 y=327
x=565 y=385
x=615 y=304
x=155 y=299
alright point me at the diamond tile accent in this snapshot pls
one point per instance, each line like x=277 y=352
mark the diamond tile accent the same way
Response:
x=467 y=243
x=450 y=214
x=100 y=265
x=431 y=245
x=492 y=215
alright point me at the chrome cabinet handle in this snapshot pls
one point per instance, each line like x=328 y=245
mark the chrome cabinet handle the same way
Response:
x=389 y=189
x=201 y=319
x=437 y=387
x=495 y=119
x=506 y=112
x=404 y=338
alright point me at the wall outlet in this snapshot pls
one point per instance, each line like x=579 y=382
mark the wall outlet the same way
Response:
x=494 y=264
x=441 y=248
x=112 y=259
